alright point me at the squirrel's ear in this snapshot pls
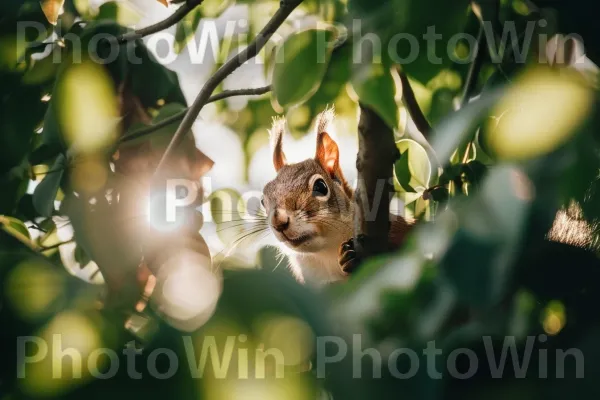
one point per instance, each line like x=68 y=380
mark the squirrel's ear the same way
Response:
x=276 y=134
x=328 y=154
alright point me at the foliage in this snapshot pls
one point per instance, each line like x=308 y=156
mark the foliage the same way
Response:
x=504 y=186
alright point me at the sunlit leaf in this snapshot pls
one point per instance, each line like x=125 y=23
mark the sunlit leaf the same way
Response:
x=375 y=87
x=34 y=289
x=538 y=114
x=87 y=107
x=413 y=169
x=300 y=64
x=16 y=228
x=52 y=9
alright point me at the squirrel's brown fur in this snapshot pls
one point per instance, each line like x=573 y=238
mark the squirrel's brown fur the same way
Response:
x=312 y=226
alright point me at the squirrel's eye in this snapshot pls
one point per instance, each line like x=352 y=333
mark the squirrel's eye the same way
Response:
x=320 y=188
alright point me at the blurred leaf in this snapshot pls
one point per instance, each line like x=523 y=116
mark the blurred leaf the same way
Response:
x=14 y=185
x=20 y=113
x=42 y=71
x=87 y=107
x=300 y=64
x=420 y=59
x=101 y=51
x=375 y=87
x=119 y=12
x=43 y=153
x=227 y=211
x=458 y=128
x=52 y=9
x=540 y=112
x=45 y=193
x=165 y=84
x=186 y=28
x=413 y=169
x=214 y=8
x=442 y=104
x=480 y=259
x=16 y=228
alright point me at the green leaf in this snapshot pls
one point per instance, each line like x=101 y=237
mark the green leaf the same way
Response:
x=457 y=128
x=43 y=153
x=393 y=21
x=16 y=228
x=119 y=12
x=413 y=169
x=375 y=87
x=491 y=226
x=45 y=193
x=20 y=113
x=300 y=64
x=164 y=82
x=41 y=71
x=14 y=185
x=541 y=111
x=335 y=79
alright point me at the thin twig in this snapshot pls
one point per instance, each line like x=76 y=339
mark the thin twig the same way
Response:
x=171 y=20
x=411 y=104
x=285 y=9
x=179 y=116
x=56 y=246
x=475 y=68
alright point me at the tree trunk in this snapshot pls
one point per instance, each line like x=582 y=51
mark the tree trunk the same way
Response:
x=376 y=156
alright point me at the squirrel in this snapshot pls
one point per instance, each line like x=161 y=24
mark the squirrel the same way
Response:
x=310 y=210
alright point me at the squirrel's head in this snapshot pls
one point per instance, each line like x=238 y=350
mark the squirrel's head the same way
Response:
x=309 y=204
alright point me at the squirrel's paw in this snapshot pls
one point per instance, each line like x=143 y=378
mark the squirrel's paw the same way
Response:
x=347 y=258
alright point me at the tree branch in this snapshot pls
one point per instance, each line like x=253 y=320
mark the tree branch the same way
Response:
x=411 y=104
x=376 y=156
x=171 y=20
x=285 y=9
x=179 y=116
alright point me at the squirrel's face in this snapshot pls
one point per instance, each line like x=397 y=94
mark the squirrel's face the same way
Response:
x=307 y=210
x=309 y=204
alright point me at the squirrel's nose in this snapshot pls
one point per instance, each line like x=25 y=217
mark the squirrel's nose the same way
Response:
x=280 y=220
